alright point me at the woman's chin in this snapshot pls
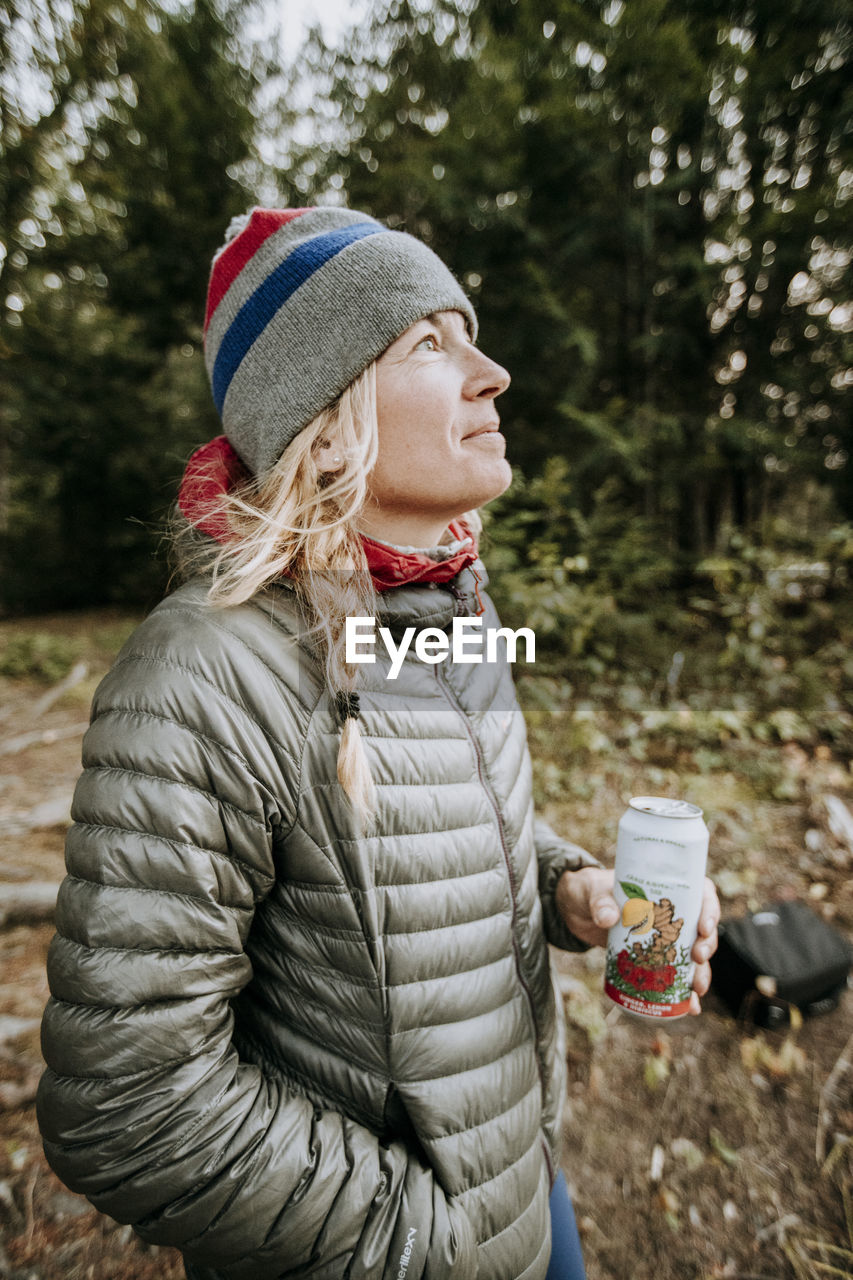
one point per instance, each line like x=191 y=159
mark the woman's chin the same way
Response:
x=492 y=482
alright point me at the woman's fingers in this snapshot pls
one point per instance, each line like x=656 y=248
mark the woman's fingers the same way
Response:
x=709 y=917
x=585 y=902
x=603 y=907
x=702 y=978
x=705 y=944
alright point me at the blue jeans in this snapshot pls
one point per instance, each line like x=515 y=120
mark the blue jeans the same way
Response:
x=566 y=1257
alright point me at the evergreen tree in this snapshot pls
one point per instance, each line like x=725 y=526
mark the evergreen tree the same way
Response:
x=112 y=393
x=643 y=197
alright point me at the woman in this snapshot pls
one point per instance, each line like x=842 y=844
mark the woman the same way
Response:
x=302 y=1022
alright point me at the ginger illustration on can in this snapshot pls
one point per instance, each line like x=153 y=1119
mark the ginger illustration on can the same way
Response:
x=660 y=872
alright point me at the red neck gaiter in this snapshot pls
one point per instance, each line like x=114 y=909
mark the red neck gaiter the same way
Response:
x=215 y=468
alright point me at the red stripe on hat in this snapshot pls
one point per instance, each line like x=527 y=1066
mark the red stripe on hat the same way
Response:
x=237 y=253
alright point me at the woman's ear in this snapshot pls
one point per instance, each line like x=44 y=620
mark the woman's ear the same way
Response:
x=327 y=456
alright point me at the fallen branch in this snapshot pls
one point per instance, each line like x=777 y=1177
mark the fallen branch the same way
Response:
x=777 y=1230
x=843 y=1063
x=77 y=673
x=41 y=737
x=30 y=1217
x=53 y=812
x=29 y=903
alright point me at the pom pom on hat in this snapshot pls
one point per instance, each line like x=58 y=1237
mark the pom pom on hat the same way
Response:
x=300 y=302
x=236 y=225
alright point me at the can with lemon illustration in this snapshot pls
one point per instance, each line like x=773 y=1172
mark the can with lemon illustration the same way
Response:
x=661 y=853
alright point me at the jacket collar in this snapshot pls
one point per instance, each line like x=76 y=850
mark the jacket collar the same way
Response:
x=406 y=581
x=435 y=604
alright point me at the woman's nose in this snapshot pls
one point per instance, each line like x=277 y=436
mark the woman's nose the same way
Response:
x=487 y=378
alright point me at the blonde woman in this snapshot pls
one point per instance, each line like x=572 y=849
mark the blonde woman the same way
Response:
x=302 y=1022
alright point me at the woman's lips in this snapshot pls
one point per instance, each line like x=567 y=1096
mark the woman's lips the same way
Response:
x=490 y=430
x=490 y=438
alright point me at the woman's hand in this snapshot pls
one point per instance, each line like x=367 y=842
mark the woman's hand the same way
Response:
x=585 y=901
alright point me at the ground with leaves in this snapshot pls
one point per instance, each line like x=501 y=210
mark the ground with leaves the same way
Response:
x=690 y=1148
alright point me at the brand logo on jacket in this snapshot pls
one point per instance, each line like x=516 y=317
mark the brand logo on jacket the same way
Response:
x=431 y=644
x=406 y=1255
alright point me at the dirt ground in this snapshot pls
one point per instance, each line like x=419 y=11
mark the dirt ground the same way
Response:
x=690 y=1149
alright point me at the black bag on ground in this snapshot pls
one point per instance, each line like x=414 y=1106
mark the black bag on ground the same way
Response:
x=780 y=956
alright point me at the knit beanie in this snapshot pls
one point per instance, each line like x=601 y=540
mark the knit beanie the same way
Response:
x=300 y=302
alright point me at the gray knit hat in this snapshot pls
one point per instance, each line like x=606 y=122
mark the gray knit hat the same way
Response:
x=300 y=302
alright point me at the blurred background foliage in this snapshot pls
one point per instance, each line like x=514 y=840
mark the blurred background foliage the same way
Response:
x=648 y=200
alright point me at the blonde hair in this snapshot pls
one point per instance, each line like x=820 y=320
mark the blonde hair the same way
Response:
x=299 y=521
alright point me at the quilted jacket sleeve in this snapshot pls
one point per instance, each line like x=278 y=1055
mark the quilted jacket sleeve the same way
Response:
x=145 y=1106
x=555 y=856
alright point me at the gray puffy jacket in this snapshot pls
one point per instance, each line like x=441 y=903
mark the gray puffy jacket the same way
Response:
x=285 y=1049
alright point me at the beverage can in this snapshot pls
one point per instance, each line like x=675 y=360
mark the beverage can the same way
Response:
x=661 y=852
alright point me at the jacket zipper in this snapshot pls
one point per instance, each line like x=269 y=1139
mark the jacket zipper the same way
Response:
x=487 y=787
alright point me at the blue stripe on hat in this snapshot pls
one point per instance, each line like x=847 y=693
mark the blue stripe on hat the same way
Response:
x=258 y=310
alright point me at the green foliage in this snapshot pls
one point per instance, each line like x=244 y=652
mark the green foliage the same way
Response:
x=38 y=656
x=753 y=647
x=647 y=201
x=123 y=183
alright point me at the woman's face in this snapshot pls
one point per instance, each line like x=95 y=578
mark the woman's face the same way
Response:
x=440 y=450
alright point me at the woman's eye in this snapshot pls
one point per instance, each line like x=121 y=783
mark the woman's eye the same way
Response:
x=431 y=339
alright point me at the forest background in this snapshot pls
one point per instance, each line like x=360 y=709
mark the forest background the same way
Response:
x=649 y=202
